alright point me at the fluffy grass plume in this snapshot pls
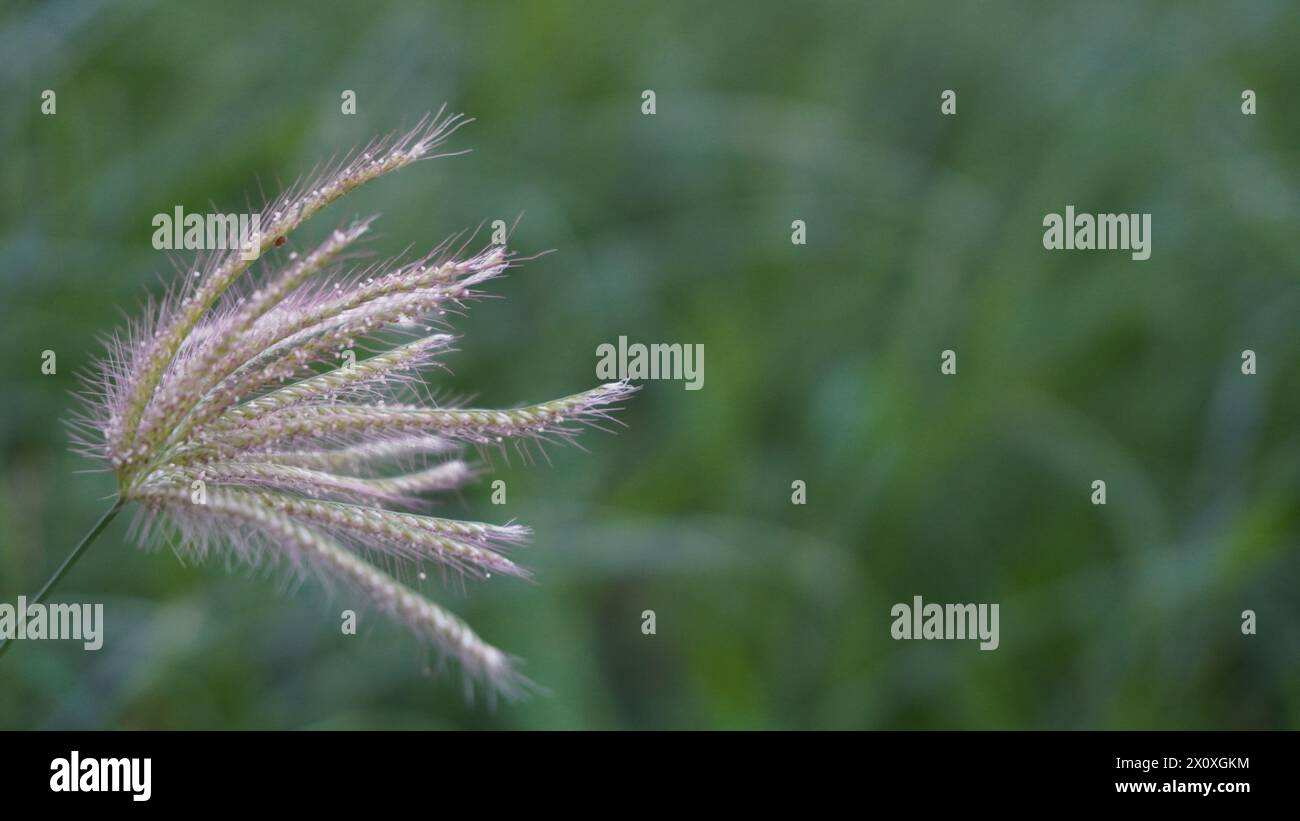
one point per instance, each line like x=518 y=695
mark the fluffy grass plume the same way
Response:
x=235 y=416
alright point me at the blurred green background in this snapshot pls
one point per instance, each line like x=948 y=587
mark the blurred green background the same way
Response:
x=821 y=361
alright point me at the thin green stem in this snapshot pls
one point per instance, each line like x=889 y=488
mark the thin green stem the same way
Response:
x=71 y=560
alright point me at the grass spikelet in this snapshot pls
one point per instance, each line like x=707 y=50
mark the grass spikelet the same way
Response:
x=226 y=414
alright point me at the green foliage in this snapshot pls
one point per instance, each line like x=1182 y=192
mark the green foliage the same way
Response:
x=822 y=360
